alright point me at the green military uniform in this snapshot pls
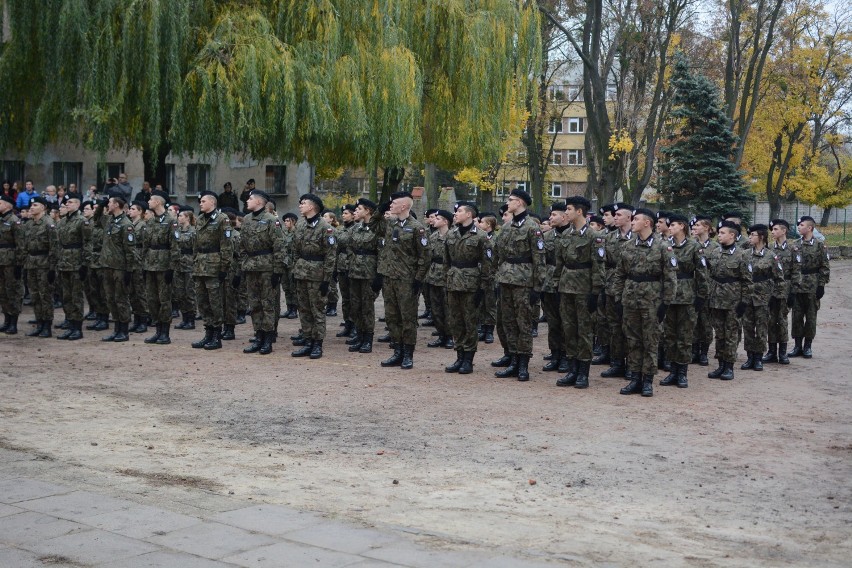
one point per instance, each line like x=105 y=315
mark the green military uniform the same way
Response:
x=730 y=286
x=213 y=255
x=73 y=270
x=138 y=288
x=815 y=274
x=766 y=273
x=12 y=253
x=614 y=242
x=315 y=251
x=160 y=257
x=783 y=297
x=703 y=334
x=288 y=284
x=93 y=236
x=550 y=301
x=42 y=251
x=435 y=289
x=118 y=259
x=363 y=246
x=184 y=288
x=231 y=294
x=344 y=256
x=261 y=256
x=488 y=310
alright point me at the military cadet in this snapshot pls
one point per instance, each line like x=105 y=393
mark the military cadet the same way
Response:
x=213 y=255
x=600 y=344
x=615 y=240
x=344 y=256
x=487 y=223
x=730 y=286
x=815 y=273
x=783 y=296
x=262 y=264
x=12 y=244
x=315 y=251
x=362 y=275
x=288 y=285
x=580 y=257
x=160 y=256
x=428 y=220
x=766 y=273
x=506 y=359
x=520 y=275
x=73 y=265
x=435 y=282
x=233 y=281
x=333 y=296
x=184 y=287
x=645 y=285
x=701 y=228
x=737 y=218
x=42 y=251
x=691 y=295
x=93 y=238
x=550 y=297
x=138 y=290
x=118 y=259
x=467 y=258
x=403 y=263
x=662 y=224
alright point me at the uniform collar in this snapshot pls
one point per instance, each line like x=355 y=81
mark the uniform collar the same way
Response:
x=761 y=253
x=729 y=249
x=648 y=243
x=782 y=246
x=312 y=221
x=519 y=219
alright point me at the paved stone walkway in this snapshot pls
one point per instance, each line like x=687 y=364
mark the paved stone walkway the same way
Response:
x=45 y=524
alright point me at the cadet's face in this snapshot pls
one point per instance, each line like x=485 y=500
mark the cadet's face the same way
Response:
x=507 y=216
x=678 y=229
x=608 y=218
x=347 y=216
x=779 y=231
x=306 y=208
x=72 y=205
x=662 y=228
x=113 y=207
x=36 y=210
x=183 y=218
x=622 y=218
x=754 y=239
x=88 y=211
x=638 y=223
x=727 y=236
x=571 y=214
x=5 y=206
x=557 y=218
x=207 y=204
x=361 y=213
x=288 y=224
x=515 y=204
x=805 y=229
x=255 y=203
x=328 y=218
x=134 y=212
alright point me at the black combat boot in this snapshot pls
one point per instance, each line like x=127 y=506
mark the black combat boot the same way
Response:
x=215 y=341
x=5 y=322
x=228 y=334
x=695 y=352
x=37 y=330
x=596 y=346
x=241 y=317
x=616 y=369
x=523 y=368
x=47 y=330
x=647 y=385
x=603 y=358
x=425 y=315
x=134 y=327
x=155 y=337
x=454 y=368
x=682 y=382
x=331 y=310
x=76 y=331
x=438 y=342
x=797 y=348
x=355 y=342
x=115 y=331
x=208 y=335
x=305 y=350
x=265 y=346
x=395 y=359
x=489 y=333
x=782 y=354
x=347 y=329
x=12 y=329
x=582 y=381
x=570 y=379
x=316 y=349
x=407 y=357
x=503 y=361
x=386 y=338
x=101 y=324
x=635 y=384
x=807 y=351
x=758 y=362
x=121 y=334
x=64 y=324
x=703 y=349
x=299 y=340
x=480 y=333
x=771 y=355
x=190 y=321
x=749 y=364
x=467 y=364
x=90 y=316
x=449 y=342
x=367 y=345
x=534 y=329
x=553 y=364
x=728 y=372
x=68 y=329
x=164 y=334
x=256 y=342
x=715 y=374
x=671 y=378
x=564 y=364
x=511 y=370
x=292 y=312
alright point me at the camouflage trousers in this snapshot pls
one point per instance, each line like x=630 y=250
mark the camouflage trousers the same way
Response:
x=333 y=297
x=183 y=290
x=703 y=327
x=159 y=295
x=679 y=327
x=11 y=291
x=727 y=328
x=231 y=300
x=288 y=287
x=805 y=315
x=488 y=310
x=601 y=323
x=264 y=300
x=516 y=313
x=138 y=294
x=208 y=292
x=345 y=295
x=41 y=293
x=400 y=310
x=615 y=329
x=778 y=327
x=755 y=328
x=501 y=328
x=642 y=334
x=115 y=293
x=462 y=316
x=550 y=306
x=362 y=305
x=311 y=309
x=71 y=288
x=578 y=326
x=438 y=303
x=93 y=289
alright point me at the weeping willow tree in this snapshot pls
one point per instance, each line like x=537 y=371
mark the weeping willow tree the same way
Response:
x=374 y=83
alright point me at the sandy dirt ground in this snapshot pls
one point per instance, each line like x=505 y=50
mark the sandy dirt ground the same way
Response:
x=752 y=472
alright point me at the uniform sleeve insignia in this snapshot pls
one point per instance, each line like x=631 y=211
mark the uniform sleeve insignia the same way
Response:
x=781 y=268
x=85 y=223
x=703 y=262
x=749 y=267
x=601 y=252
x=129 y=237
x=330 y=230
x=673 y=260
x=424 y=241
x=488 y=253
x=827 y=256
x=539 y=243
x=177 y=235
x=381 y=242
x=798 y=258
x=227 y=233
x=331 y=240
x=537 y=233
x=669 y=249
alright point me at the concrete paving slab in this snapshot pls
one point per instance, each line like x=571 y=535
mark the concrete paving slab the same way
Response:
x=8 y=456
x=166 y=559
x=291 y=554
x=409 y=554
x=77 y=505
x=6 y=510
x=370 y=563
x=268 y=519
x=30 y=526
x=212 y=540
x=141 y=521
x=92 y=547
x=21 y=489
x=17 y=558
x=509 y=562
x=342 y=537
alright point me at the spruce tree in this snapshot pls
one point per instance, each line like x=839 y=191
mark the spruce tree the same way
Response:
x=697 y=173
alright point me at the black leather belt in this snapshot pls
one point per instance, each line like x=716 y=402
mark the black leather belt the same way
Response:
x=726 y=279
x=578 y=266
x=208 y=250
x=39 y=253
x=810 y=271
x=465 y=264
x=312 y=257
x=760 y=279
x=684 y=276
x=261 y=252
x=159 y=247
x=186 y=251
x=437 y=260
x=644 y=278
x=519 y=260
x=364 y=252
x=7 y=246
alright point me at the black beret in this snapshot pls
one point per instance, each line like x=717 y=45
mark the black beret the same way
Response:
x=806 y=218
x=140 y=204
x=758 y=227
x=487 y=214
x=118 y=196
x=87 y=202
x=430 y=212
x=613 y=207
x=400 y=195
x=732 y=215
x=367 y=203
x=210 y=193
x=558 y=206
x=445 y=214
x=7 y=199
x=470 y=204
x=503 y=209
x=240 y=214
x=646 y=212
x=53 y=205
x=183 y=208
x=697 y=218
x=724 y=223
x=41 y=200
x=596 y=219
x=250 y=180
x=291 y=216
x=661 y=214
x=161 y=194
x=258 y=193
x=383 y=207
x=677 y=218
x=779 y=222
x=521 y=194
x=578 y=201
x=349 y=207
x=73 y=195
x=315 y=199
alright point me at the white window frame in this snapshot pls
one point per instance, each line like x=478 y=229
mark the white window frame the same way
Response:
x=197 y=178
x=576 y=125
x=575 y=158
x=556 y=190
x=555 y=126
x=276 y=179
x=522 y=185
x=556 y=157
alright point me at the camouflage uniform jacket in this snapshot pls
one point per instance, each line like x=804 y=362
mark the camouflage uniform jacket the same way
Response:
x=691 y=272
x=520 y=254
x=41 y=244
x=405 y=251
x=580 y=261
x=315 y=250
x=613 y=243
x=261 y=243
x=140 y=225
x=766 y=274
x=468 y=259
x=437 y=275
x=786 y=254
x=551 y=242
x=646 y=275
x=730 y=277
x=289 y=259
x=344 y=252
x=814 y=262
x=11 y=240
x=213 y=247
x=186 y=241
x=363 y=248
x=72 y=250
x=119 y=244
x=91 y=232
x=160 y=244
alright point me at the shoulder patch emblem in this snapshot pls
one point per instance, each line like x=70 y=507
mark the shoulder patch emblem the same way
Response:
x=750 y=269
x=539 y=243
x=177 y=235
x=704 y=262
x=673 y=260
x=601 y=252
x=424 y=241
x=331 y=240
x=129 y=237
x=227 y=233
x=488 y=253
x=781 y=268
x=798 y=258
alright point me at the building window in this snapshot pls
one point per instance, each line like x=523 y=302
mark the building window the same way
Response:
x=556 y=92
x=522 y=185
x=276 y=180
x=12 y=170
x=574 y=93
x=575 y=157
x=197 y=178
x=503 y=190
x=109 y=170
x=556 y=190
x=576 y=125
x=556 y=157
x=555 y=126
x=66 y=173
x=170 y=183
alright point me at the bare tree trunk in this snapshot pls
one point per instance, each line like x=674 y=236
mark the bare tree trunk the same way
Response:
x=154 y=166
x=431 y=183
